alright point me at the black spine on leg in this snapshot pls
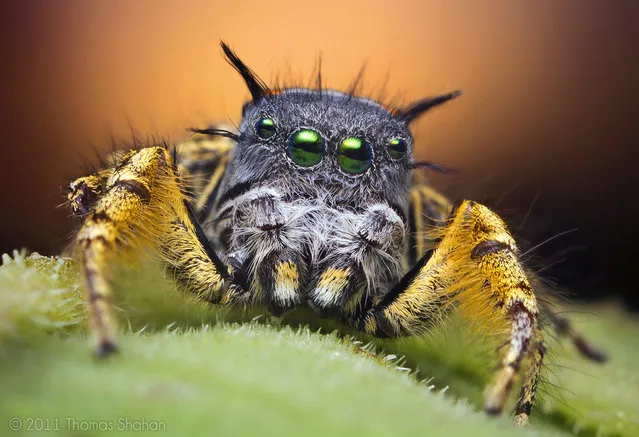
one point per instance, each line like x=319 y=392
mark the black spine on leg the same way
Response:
x=404 y=283
x=206 y=244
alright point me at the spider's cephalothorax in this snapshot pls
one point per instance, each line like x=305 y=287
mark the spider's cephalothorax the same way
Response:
x=315 y=202
x=316 y=187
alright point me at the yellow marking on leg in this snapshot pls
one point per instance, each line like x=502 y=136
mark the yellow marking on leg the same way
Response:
x=422 y=197
x=214 y=180
x=370 y=325
x=529 y=386
x=286 y=280
x=502 y=300
x=475 y=267
x=423 y=299
x=497 y=392
x=202 y=149
x=143 y=207
x=330 y=286
x=102 y=323
x=432 y=196
x=97 y=239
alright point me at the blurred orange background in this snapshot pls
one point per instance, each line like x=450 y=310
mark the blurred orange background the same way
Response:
x=550 y=95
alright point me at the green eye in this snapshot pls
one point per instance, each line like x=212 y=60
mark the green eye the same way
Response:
x=397 y=148
x=354 y=155
x=265 y=128
x=306 y=147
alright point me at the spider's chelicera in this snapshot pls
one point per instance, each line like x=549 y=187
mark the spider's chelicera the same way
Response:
x=315 y=201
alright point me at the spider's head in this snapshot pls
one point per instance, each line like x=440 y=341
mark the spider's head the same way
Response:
x=319 y=139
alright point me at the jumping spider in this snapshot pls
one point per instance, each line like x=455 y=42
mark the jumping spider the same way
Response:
x=314 y=201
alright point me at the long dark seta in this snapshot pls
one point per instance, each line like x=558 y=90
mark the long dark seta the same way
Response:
x=256 y=86
x=430 y=166
x=354 y=86
x=216 y=133
x=415 y=110
x=315 y=81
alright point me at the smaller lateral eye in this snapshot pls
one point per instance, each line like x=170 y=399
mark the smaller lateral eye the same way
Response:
x=397 y=148
x=265 y=128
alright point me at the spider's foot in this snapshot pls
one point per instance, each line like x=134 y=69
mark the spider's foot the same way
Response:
x=564 y=327
x=589 y=350
x=497 y=393
x=521 y=419
x=106 y=347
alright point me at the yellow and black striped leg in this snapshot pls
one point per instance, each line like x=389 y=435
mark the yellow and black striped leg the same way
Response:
x=529 y=386
x=476 y=268
x=141 y=205
x=429 y=210
x=202 y=162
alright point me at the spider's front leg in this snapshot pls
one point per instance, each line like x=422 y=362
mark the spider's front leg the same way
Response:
x=140 y=204
x=476 y=268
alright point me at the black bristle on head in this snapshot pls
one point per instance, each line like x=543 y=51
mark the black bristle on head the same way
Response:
x=317 y=74
x=354 y=87
x=256 y=86
x=216 y=133
x=416 y=109
x=431 y=166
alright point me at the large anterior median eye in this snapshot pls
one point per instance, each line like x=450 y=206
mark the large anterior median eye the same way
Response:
x=397 y=148
x=354 y=155
x=265 y=128
x=306 y=147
